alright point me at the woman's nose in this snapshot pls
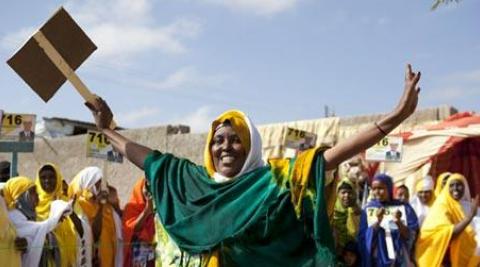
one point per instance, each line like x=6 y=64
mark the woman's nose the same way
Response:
x=226 y=145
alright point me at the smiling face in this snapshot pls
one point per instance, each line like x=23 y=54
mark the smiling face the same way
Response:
x=425 y=196
x=380 y=191
x=227 y=150
x=48 y=179
x=456 y=189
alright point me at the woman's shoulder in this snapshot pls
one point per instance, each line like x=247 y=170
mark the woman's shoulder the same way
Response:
x=156 y=158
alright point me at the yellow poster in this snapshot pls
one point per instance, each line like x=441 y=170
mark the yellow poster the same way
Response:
x=98 y=146
x=17 y=127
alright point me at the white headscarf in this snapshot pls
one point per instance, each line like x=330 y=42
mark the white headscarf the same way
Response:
x=426 y=184
x=254 y=158
x=86 y=180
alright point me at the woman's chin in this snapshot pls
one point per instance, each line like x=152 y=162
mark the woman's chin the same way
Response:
x=228 y=172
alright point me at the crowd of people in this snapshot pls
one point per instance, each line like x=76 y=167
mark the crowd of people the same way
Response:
x=432 y=224
x=237 y=209
x=44 y=223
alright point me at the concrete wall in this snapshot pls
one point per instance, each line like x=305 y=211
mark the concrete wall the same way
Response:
x=69 y=153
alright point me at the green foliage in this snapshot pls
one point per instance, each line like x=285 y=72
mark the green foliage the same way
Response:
x=439 y=2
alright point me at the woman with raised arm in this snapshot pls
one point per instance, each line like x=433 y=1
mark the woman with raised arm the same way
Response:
x=237 y=210
x=449 y=235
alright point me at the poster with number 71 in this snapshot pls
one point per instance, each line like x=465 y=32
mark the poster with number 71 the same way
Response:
x=99 y=147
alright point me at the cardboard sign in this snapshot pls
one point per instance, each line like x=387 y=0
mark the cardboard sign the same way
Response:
x=388 y=149
x=18 y=128
x=299 y=140
x=387 y=220
x=99 y=147
x=33 y=63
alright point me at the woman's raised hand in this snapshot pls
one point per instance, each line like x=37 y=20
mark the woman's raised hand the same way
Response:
x=101 y=112
x=409 y=99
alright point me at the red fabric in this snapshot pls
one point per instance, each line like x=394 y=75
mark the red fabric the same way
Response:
x=462 y=119
x=462 y=156
x=132 y=211
x=459 y=154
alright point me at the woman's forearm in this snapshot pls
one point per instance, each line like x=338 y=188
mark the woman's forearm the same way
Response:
x=361 y=141
x=134 y=152
x=459 y=227
x=375 y=132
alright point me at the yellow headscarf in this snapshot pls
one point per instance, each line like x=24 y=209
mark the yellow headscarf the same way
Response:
x=65 y=231
x=239 y=124
x=250 y=138
x=438 y=185
x=43 y=207
x=344 y=220
x=436 y=233
x=15 y=187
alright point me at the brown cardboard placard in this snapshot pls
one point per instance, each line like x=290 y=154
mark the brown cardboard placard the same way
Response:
x=51 y=56
x=35 y=66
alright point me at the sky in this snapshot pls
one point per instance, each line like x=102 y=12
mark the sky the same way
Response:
x=186 y=61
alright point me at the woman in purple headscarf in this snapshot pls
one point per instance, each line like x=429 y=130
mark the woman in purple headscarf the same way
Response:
x=387 y=227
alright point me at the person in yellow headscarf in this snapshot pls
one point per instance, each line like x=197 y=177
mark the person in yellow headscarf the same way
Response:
x=11 y=245
x=423 y=198
x=237 y=209
x=104 y=215
x=21 y=197
x=346 y=215
x=441 y=181
x=446 y=236
x=49 y=186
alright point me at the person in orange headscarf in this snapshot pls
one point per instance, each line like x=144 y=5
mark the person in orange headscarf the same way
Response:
x=139 y=228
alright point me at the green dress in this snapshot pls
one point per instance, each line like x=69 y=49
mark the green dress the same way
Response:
x=251 y=220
